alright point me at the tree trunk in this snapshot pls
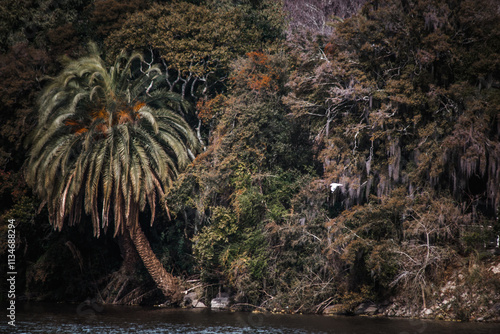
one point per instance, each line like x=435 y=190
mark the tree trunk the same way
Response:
x=165 y=281
x=123 y=281
x=128 y=253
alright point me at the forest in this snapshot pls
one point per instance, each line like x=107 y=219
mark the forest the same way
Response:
x=297 y=156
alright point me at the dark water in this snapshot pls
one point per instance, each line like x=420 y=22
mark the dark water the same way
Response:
x=94 y=318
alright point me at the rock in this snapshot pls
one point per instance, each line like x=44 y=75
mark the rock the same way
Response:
x=192 y=300
x=220 y=303
x=360 y=309
x=366 y=308
x=198 y=304
x=337 y=309
x=496 y=308
x=495 y=269
x=371 y=310
x=449 y=286
x=187 y=301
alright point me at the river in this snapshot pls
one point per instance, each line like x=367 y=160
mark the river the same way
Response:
x=95 y=318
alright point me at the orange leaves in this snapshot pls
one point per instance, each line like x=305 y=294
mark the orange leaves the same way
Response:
x=257 y=72
x=330 y=48
x=260 y=81
x=100 y=118
x=102 y=128
x=129 y=114
x=101 y=114
x=77 y=127
x=207 y=109
x=123 y=116
x=122 y=113
x=138 y=106
x=70 y=122
x=81 y=130
x=258 y=58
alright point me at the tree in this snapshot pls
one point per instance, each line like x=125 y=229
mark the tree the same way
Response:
x=403 y=102
x=314 y=15
x=30 y=21
x=239 y=194
x=20 y=67
x=110 y=144
x=397 y=103
x=192 y=41
x=109 y=16
x=196 y=43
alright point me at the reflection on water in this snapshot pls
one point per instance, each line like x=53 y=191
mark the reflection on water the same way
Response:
x=95 y=318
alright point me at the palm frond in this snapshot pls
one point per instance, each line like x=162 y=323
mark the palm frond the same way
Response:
x=107 y=142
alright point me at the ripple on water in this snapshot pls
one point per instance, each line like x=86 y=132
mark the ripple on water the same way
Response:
x=59 y=319
x=26 y=327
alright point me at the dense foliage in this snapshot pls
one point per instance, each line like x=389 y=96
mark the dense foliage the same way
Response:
x=351 y=148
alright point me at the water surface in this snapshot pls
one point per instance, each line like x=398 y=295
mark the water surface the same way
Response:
x=95 y=318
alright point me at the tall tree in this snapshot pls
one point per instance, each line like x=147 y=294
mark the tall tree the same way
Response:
x=110 y=144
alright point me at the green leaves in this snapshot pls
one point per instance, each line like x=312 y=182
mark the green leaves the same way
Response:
x=99 y=140
x=189 y=38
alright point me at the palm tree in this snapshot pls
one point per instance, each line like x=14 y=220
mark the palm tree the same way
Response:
x=109 y=144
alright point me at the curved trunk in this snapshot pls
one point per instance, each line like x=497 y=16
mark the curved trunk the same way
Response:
x=165 y=281
x=128 y=253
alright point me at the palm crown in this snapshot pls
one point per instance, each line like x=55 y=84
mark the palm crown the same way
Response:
x=105 y=142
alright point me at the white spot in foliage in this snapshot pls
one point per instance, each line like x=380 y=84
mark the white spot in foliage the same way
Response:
x=334 y=186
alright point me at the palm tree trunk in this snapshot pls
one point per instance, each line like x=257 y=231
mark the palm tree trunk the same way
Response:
x=165 y=281
x=128 y=253
x=124 y=280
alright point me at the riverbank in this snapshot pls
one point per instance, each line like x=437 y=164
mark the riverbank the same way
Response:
x=468 y=293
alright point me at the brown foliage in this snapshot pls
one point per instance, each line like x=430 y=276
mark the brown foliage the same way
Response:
x=109 y=15
x=258 y=72
x=64 y=40
x=208 y=109
x=22 y=68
